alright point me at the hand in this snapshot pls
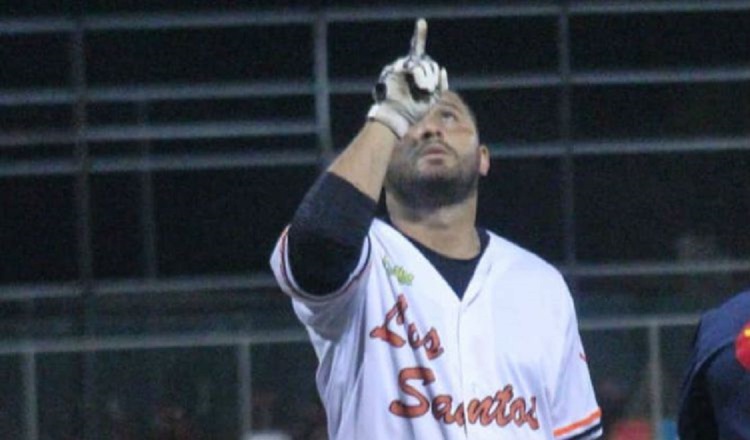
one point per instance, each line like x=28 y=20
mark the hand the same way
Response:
x=408 y=86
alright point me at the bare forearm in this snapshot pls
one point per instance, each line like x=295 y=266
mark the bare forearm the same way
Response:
x=365 y=161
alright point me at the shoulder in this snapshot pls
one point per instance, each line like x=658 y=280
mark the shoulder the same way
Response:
x=385 y=235
x=733 y=312
x=738 y=304
x=521 y=259
x=381 y=227
x=717 y=331
x=541 y=284
x=720 y=325
x=719 y=328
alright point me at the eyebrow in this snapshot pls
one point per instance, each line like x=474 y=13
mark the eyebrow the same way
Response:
x=451 y=105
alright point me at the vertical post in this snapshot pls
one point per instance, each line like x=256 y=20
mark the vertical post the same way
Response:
x=146 y=216
x=149 y=255
x=565 y=120
x=83 y=224
x=147 y=211
x=83 y=161
x=31 y=415
x=322 y=89
x=655 y=379
x=244 y=378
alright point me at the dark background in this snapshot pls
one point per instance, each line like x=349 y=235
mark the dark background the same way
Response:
x=151 y=153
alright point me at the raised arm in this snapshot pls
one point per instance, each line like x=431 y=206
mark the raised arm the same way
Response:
x=403 y=93
x=328 y=230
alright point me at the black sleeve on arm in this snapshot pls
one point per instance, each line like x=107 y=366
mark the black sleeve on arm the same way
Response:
x=327 y=233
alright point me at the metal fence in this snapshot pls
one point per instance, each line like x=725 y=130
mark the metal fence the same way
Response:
x=84 y=115
x=649 y=371
x=81 y=148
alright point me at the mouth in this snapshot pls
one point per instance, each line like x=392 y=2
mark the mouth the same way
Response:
x=434 y=149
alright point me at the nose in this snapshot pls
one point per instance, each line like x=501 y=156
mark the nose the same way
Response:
x=428 y=128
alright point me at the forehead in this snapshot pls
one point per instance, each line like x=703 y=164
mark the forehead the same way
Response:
x=453 y=101
x=450 y=99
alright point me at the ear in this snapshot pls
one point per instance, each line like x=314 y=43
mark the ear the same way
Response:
x=484 y=160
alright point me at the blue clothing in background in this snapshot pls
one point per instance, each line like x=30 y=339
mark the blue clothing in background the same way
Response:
x=715 y=394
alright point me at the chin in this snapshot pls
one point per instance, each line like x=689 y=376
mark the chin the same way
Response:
x=435 y=176
x=435 y=169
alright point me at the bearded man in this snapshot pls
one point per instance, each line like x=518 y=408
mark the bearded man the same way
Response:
x=425 y=325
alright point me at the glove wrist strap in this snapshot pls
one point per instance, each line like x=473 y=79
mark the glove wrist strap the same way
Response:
x=390 y=118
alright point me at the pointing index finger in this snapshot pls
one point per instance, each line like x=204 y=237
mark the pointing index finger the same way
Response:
x=419 y=38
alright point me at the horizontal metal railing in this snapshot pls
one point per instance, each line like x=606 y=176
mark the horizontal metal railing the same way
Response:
x=262 y=280
x=293 y=335
x=252 y=159
x=249 y=17
x=185 y=284
x=30 y=350
x=320 y=88
x=150 y=342
x=343 y=86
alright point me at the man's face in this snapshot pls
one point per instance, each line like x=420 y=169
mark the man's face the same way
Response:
x=439 y=160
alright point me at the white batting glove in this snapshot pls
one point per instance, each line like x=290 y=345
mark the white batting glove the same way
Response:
x=408 y=86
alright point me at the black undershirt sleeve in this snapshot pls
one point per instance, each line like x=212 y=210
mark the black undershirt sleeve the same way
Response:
x=327 y=233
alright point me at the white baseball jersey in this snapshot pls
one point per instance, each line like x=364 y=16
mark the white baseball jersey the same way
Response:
x=403 y=357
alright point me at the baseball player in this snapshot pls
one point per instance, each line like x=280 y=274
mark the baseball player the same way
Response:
x=715 y=395
x=425 y=325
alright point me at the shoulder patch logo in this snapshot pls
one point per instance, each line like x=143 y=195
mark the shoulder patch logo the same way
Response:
x=742 y=347
x=402 y=275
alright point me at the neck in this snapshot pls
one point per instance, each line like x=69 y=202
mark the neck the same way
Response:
x=449 y=230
